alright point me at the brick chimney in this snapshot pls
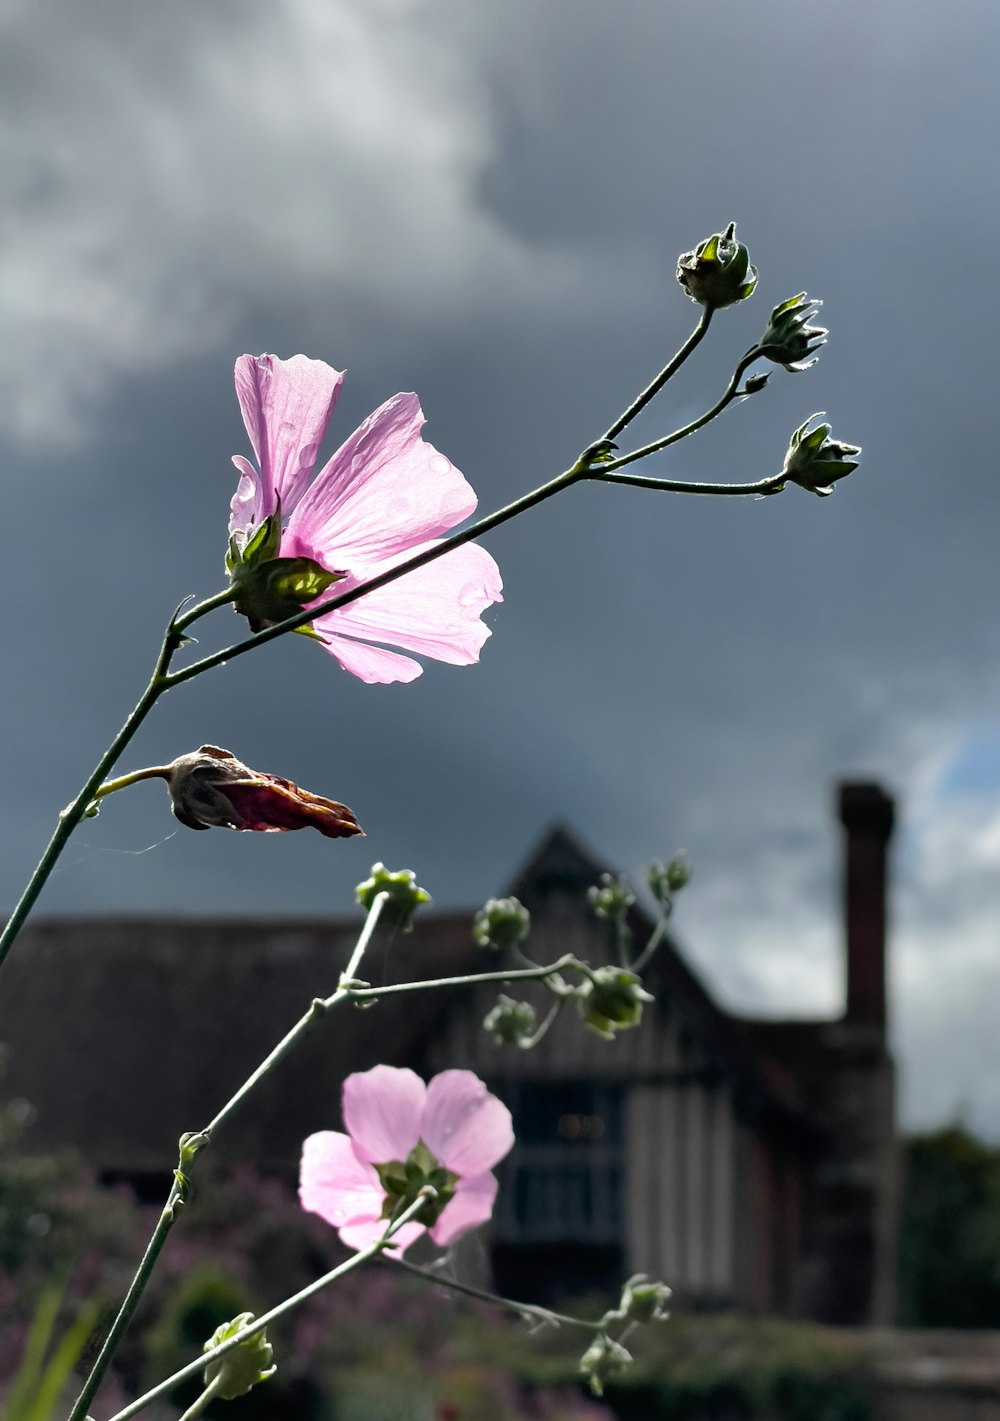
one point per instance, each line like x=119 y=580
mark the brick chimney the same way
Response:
x=867 y=814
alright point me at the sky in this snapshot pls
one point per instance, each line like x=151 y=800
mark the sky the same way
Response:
x=485 y=204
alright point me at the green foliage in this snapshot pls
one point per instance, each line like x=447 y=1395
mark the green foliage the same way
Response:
x=949 y=1266
x=46 y=1364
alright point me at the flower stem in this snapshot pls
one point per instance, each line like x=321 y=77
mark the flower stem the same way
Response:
x=70 y=817
x=670 y=369
x=265 y=1320
x=772 y=484
x=178 y=1190
x=729 y=394
x=519 y=974
x=197 y=1407
x=525 y=1310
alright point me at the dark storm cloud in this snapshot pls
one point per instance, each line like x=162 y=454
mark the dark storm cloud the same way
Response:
x=486 y=204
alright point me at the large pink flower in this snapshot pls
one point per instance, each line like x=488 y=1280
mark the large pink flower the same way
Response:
x=389 y=1114
x=385 y=495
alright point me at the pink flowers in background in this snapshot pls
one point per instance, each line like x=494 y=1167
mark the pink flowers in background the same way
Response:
x=385 y=495
x=391 y=1117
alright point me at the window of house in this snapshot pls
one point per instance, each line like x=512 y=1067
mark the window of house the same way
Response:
x=563 y=1182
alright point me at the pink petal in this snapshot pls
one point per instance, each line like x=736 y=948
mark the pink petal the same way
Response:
x=382 y=1110
x=371 y=663
x=464 y=1126
x=362 y=1233
x=471 y=1206
x=286 y=406
x=334 y=1183
x=434 y=610
x=384 y=490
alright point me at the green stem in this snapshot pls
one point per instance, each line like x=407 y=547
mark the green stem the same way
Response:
x=640 y=403
x=772 y=484
x=729 y=394
x=528 y=1310
x=260 y=1323
x=191 y=1146
x=197 y=1407
x=152 y=772
x=520 y=974
x=655 y=938
x=528 y=1042
x=173 y=638
x=136 y=1289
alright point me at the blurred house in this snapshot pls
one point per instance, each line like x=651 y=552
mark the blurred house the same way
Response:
x=745 y=1162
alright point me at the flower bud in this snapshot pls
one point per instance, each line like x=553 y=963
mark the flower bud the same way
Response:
x=789 y=340
x=666 y=879
x=501 y=923
x=510 y=1023
x=241 y=1369
x=611 y=1000
x=603 y=1361
x=755 y=383
x=211 y=789
x=815 y=461
x=611 y=897
x=405 y=897
x=718 y=272
x=643 y=1300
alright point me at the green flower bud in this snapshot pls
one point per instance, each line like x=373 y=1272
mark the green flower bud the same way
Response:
x=405 y=897
x=501 y=923
x=815 y=461
x=755 y=383
x=241 y=1369
x=611 y=897
x=603 y=1361
x=789 y=339
x=510 y=1023
x=643 y=1300
x=611 y=1000
x=666 y=879
x=718 y=272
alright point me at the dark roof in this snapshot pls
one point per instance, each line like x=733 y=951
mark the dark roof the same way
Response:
x=136 y=1029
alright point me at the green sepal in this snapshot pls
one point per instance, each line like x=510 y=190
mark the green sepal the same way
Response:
x=403 y=1180
x=272 y=591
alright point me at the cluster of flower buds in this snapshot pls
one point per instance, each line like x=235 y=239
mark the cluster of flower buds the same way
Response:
x=611 y=1000
x=611 y=897
x=404 y=895
x=789 y=339
x=241 y=1369
x=665 y=880
x=718 y=271
x=815 y=461
x=510 y=1022
x=642 y=1301
x=501 y=923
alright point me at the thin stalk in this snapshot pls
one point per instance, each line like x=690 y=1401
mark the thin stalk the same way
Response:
x=173 y=638
x=519 y=974
x=730 y=393
x=197 y=1407
x=265 y=1320
x=772 y=484
x=655 y=938
x=193 y=1144
x=525 y=1310
x=671 y=368
x=527 y=1042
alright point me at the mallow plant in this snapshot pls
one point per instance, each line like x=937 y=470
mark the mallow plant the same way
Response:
x=375 y=556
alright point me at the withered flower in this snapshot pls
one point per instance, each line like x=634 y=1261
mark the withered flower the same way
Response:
x=211 y=789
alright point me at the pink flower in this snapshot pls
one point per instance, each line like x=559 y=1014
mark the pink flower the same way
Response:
x=451 y=1132
x=385 y=495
